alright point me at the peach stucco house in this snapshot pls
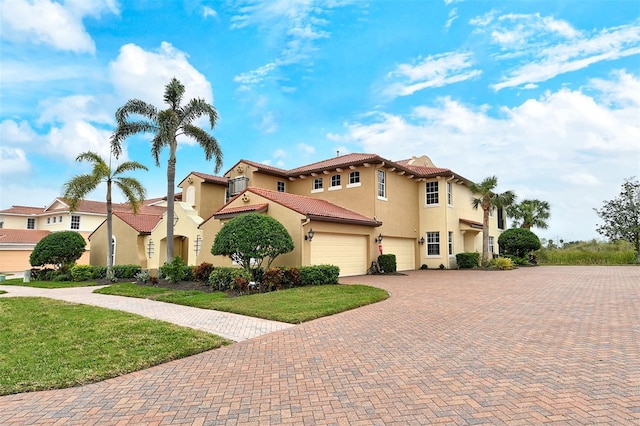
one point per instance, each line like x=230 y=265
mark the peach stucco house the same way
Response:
x=357 y=206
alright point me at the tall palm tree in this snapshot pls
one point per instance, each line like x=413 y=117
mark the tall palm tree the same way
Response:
x=167 y=125
x=78 y=187
x=487 y=200
x=530 y=213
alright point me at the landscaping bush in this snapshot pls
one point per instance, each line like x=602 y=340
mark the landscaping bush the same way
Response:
x=521 y=261
x=61 y=277
x=202 y=271
x=143 y=276
x=174 y=271
x=58 y=248
x=518 y=242
x=82 y=272
x=272 y=279
x=99 y=272
x=319 y=275
x=222 y=277
x=387 y=262
x=468 y=260
x=291 y=277
x=125 y=271
x=502 y=263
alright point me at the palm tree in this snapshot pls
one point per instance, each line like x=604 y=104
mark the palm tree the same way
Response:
x=487 y=200
x=78 y=187
x=531 y=213
x=167 y=125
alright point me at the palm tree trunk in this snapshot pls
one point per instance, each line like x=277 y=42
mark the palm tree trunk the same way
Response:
x=109 y=230
x=485 y=235
x=171 y=177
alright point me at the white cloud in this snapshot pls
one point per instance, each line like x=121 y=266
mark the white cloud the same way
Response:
x=207 y=11
x=551 y=47
x=73 y=108
x=140 y=74
x=453 y=15
x=568 y=146
x=13 y=133
x=306 y=149
x=55 y=24
x=268 y=123
x=14 y=162
x=75 y=137
x=432 y=71
x=291 y=29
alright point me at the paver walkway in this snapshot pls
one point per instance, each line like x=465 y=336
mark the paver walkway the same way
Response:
x=544 y=345
x=231 y=326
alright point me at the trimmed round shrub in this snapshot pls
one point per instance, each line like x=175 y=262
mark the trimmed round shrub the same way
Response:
x=58 y=248
x=518 y=242
x=319 y=275
x=387 y=262
x=468 y=260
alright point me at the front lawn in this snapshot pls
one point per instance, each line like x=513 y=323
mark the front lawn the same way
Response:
x=49 y=284
x=293 y=306
x=50 y=344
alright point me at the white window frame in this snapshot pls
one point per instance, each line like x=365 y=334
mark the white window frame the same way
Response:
x=318 y=185
x=114 y=245
x=335 y=182
x=449 y=194
x=433 y=241
x=75 y=222
x=450 y=242
x=354 y=179
x=281 y=186
x=31 y=223
x=382 y=185
x=429 y=194
x=491 y=244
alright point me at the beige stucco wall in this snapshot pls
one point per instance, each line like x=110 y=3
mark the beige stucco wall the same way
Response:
x=209 y=197
x=126 y=244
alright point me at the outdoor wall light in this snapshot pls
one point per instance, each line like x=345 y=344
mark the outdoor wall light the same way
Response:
x=379 y=239
x=309 y=235
x=421 y=241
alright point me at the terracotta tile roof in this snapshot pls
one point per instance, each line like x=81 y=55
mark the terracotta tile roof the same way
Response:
x=22 y=210
x=232 y=211
x=219 y=180
x=141 y=222
x=314 y=208
x=472 y=223
x=341 y=161
x=264 y=168
x=21 y=236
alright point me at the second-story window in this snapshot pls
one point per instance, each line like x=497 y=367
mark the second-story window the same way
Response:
x=75 y=222
x=335 y=181
x=382 y=184
x=449 y=194
x=281 y=187
x=317 y=184
x=31 y=223
x=432 y=193
x=354 y=178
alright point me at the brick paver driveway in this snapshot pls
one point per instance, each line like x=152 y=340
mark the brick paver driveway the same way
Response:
x=536 y=345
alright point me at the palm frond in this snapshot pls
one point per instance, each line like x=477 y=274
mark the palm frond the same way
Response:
x=133 y=192
x=135 y=107
x=76 y=189
x=156 y=147
x=129 y=166
x=208 y=143
x=197 y=108
x=173 y=93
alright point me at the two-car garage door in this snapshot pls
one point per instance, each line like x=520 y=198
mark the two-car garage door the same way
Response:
x=349 y=252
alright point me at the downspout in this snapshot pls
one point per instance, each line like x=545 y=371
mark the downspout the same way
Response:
x=446 y=209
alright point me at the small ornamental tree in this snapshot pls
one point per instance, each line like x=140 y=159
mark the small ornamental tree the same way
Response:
x=59 y=248
x=252 y=238
x=518 y=242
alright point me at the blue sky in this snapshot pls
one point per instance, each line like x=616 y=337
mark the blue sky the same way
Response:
x=543 y=94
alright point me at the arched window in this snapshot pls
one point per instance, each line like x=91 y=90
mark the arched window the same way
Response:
x=191 y=195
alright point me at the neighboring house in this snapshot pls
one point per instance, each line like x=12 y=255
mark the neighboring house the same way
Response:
x=16 y=246
x=36 y=222
x=357 y=205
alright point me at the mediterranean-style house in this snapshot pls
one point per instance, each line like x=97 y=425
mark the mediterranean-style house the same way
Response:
x=21 y=227
x=343 y=211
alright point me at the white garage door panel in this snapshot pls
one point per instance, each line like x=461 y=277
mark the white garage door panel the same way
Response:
x=349 y=252
x=404 y=249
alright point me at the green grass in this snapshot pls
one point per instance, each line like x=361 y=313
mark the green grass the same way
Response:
x=589 y=253
x=293 y=306
x=52 y=344
x=2 y=292
x=49 y=284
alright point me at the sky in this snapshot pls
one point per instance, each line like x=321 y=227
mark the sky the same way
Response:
x=543 y=94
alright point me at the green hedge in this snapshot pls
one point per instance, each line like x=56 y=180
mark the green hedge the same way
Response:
x=319 y=275
x=387 y=262
x=468 y=260
x=223 y=278
x=82 y=272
